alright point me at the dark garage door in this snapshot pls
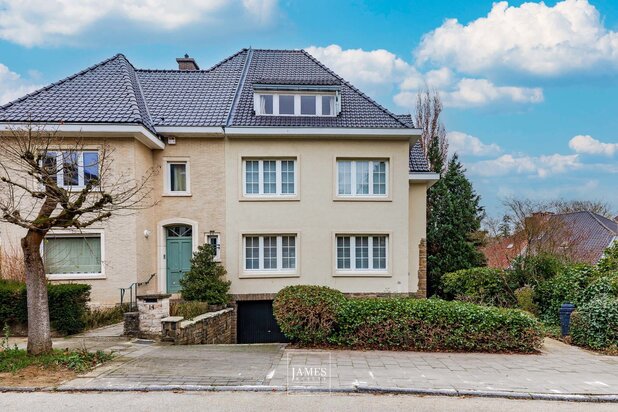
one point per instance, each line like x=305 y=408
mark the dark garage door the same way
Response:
x=256 y=323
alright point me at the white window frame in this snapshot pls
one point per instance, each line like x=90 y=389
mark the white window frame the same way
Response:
x=352 y=270
x=297 y=100
x=167 y=188
x=353 y=194
x=279 y=270
x=80 y=167
x=74 y=233
x=217 y=237
x=278 y=178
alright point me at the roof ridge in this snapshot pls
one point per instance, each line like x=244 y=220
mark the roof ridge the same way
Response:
x=388 y=112
x=211 y=68
x=239 y=86
x=64 y=80
x=594 y=215
x=132 y=94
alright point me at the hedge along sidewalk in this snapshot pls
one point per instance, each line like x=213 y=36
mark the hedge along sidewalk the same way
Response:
x=319 y=316
x=67 y=305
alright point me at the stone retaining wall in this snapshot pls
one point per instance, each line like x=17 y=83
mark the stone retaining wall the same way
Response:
x=209 y=328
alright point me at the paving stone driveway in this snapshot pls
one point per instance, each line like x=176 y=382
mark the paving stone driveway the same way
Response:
x=560 y=369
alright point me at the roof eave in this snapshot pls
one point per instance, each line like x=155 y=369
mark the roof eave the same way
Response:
x=322 y=131
x=428 y=178
x=138 y=131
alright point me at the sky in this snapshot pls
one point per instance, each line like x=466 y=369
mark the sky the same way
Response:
x=530 y=89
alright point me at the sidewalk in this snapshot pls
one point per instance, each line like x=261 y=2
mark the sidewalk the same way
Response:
x=560 y=370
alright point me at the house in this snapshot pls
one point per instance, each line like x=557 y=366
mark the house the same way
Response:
x=295 y=176
x=579 y=236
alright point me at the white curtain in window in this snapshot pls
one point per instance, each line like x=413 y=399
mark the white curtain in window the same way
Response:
x=262 y=104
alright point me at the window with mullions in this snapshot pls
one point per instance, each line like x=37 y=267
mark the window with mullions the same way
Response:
x=270 y=253
x=362 y=253
x=362 y=178
x=72 y=169
x=266 y=178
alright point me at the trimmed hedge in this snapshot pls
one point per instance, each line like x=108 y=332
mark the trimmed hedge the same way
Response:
x=595 y=324
x=67 y=305
x=313 y=315
x=307 y=314
x=482 y=285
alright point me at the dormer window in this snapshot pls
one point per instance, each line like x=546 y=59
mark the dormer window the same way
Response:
x=283 y=103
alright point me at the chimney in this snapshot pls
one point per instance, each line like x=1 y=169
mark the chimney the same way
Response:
x=187 y=63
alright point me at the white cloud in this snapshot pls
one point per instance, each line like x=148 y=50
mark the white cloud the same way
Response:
x=532 y=38
x=479 y=92
x=38 y=22
x=588 y=145
x=371 y=68
x=365 y=67
x=12 y=85
x=541 y=166
x=464 y=144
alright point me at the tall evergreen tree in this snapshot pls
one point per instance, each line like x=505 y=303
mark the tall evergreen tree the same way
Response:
x=453 y=223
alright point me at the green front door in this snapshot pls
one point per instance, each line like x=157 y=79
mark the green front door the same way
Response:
x=179 y=249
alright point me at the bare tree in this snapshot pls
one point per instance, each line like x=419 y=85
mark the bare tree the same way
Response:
x=433 y=135
x=595 y=206
x=47 y=182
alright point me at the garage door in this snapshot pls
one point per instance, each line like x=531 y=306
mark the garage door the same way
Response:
x=256 y=323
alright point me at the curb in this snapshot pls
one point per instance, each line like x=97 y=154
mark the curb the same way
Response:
x=300 y=389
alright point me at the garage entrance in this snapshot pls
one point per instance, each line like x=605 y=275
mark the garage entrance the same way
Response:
x=256 y=323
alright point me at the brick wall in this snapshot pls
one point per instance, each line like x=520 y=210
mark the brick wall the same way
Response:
x=209 y=328
x=422 y=269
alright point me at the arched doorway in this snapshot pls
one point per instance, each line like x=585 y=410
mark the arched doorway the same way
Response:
x=178 y=253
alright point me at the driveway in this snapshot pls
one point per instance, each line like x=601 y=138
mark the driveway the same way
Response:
x=560 y=369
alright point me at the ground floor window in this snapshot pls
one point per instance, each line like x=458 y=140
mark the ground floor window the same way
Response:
x=359 y=252
x=72 y=254
x=270 y=252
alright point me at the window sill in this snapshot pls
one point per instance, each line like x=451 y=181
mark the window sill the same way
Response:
x=367 y=273
x=171 y=194
x=270 y=199
x=264 y=274
x=76 y=276
x=362 y=199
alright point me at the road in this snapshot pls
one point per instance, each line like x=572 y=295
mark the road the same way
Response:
x=254 y=401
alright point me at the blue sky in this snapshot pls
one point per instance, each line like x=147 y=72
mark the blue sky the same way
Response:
x=529 y=88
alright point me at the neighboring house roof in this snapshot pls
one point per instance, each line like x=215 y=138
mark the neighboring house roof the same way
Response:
x=114 y=91
x=588 y=235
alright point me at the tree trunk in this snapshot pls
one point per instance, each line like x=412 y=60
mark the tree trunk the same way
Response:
x=39 y=331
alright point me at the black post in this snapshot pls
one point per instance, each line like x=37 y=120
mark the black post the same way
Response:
x=565 y=317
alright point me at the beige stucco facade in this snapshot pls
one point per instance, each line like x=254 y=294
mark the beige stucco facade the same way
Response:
x=134 y=243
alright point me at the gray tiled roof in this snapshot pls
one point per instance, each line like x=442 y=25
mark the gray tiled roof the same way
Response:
x=417 y=160
x=113 y=91
x=592 y=232
x=105 y=93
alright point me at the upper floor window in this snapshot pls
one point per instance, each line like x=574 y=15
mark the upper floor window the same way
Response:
x=269 y=177
x=357 y=178
x=289 y=104
x=176 y=177
x=72 y=169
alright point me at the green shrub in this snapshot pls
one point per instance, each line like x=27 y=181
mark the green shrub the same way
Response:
x=525 y=299
x=483 y=286
x=565 y=287
x=600 y=287
x=67 y=305
x=204 y=281
x=609 y=261
x=307 y=314
x=595 y=324
x=188 y=310
x=98 y=317
x=435 y=325
x=534 y=269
